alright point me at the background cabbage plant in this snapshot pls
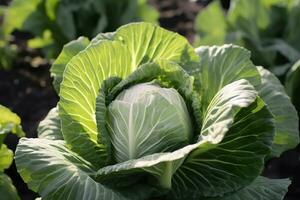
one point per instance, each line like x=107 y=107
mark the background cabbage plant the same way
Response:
x=268 y=28
x=54 y=23
x=9 y=123
x=144 y=115
x=292 y=84
x=7 y=51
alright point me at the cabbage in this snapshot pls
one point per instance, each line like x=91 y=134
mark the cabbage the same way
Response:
x=144 y=115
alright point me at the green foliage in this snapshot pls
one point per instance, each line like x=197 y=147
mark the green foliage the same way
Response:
x=261 y=188
x=56 y=22
x=144 y=115
x=273 y=93
x=7 y=189
x=293 y=84
x=7 y=51
x=268 y=28
x=9 y=123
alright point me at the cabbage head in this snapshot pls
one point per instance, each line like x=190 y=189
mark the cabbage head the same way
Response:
x=143 y=115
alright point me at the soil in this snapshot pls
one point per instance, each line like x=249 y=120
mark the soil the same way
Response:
x=286 y=166
x=178 y=15
x=27 y=90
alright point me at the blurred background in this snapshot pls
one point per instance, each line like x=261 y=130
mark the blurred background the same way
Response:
x=32 y=33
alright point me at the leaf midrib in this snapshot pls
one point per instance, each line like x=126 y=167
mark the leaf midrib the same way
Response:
x=131 y=140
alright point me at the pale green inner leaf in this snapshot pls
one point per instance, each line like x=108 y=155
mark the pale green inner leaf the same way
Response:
x=146 y=119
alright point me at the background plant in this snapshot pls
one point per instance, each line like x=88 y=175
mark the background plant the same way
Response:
x=53 y=23
x=9 y=123
x=7 y=50
x=293 y=84
x=143 y=115
x=268 y=28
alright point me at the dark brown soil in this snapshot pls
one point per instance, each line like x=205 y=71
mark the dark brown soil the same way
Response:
x=287 y=166
x=178 y=15
x=27 y=91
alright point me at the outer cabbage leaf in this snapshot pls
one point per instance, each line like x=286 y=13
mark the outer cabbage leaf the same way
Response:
x=148 y=43
x=7 y=189
x=83 y=77
x=231 y=164
x=50 y=127
x=103 y=36
x=68 y=51
x=216 y=70
x=220 y=113
x=221 y=65
x=162 y=166
x=226 y=125
x=86 y=71
x=261 y=188
x=57 y=173
x=286 y=118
